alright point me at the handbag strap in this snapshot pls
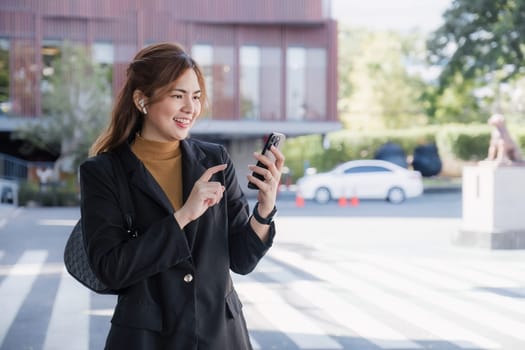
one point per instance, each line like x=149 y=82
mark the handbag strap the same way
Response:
x=126 y=204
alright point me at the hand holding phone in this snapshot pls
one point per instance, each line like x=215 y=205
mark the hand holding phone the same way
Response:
x=274 y=139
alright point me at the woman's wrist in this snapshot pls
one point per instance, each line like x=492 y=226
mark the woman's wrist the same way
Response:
x=263 y=215
x=181 y=218
x=264 y=209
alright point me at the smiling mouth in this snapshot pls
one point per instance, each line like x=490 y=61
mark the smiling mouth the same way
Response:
x=182 y=121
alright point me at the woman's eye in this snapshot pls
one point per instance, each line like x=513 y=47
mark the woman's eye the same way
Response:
x=196 y=97
x=177 y=96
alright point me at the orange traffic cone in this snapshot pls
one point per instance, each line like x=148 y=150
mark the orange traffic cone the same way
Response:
x=342 y=201
x=299 y=201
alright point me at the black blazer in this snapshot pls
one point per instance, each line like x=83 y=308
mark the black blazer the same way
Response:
x=175 y=286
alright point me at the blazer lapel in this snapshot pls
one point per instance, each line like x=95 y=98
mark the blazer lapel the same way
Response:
x=141 y=178
x=193 y=166
x=192 y=170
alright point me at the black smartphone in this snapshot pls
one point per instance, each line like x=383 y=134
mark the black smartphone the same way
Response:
x=274 y=139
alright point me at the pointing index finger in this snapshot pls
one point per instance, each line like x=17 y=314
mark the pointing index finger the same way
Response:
x=206 y=176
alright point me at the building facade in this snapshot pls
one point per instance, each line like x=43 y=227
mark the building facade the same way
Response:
x=269 y=65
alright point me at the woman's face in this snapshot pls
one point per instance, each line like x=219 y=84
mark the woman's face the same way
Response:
x=172 y=117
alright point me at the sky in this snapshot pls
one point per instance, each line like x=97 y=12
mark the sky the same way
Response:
x=403 y=15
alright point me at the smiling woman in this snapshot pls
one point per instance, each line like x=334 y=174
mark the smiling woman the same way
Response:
x=170 y=118
x=191 y=217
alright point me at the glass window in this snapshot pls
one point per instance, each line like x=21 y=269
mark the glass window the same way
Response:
x=104 y=54
x=306 y=83
x=5 y=104
x=366 y=169
x=24 y=75
x=217 y=63
x=203 y=55
x=315 y=107
x=271 y=83
x=51 y=52
x=250 y=82
x=101 y=54
x=260 y=82
x=223 y=82
x=295 y=83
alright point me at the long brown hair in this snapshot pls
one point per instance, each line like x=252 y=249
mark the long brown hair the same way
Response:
x=152 y=71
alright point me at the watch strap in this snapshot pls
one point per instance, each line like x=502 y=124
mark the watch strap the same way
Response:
x=264 y=221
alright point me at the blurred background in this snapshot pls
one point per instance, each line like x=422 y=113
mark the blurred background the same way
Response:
x=379 y=99
x=339 y=78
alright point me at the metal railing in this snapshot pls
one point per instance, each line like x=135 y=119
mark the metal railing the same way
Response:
x=12 y=168
x=14 y=172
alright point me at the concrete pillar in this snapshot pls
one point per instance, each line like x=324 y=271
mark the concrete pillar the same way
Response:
x=493 y=207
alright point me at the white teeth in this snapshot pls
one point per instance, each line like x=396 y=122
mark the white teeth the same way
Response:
x=182 y=121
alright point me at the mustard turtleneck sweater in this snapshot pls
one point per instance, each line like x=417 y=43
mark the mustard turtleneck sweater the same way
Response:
x=164 y=161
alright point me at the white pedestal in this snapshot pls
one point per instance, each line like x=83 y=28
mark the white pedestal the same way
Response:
x=493 y=207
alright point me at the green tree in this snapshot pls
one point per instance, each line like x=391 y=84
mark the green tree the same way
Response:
x=4 y=72
x=455 y=103
x=77 y=101
x=479 y=38
x=377 y=87
x=481 y=43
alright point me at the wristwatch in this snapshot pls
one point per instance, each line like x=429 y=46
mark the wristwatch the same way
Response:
x=264 y=221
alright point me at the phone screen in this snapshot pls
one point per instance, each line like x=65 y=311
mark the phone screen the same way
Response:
x=274 y=139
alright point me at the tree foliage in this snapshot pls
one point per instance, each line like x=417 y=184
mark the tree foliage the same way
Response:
x=4 y=74
x=456 y=103
x=76 y=101
x=377 y=88
x=479 y=38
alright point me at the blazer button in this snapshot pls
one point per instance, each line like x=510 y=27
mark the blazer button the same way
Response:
x=188 y=278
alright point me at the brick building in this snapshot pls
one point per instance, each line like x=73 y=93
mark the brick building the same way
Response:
x=270 y=65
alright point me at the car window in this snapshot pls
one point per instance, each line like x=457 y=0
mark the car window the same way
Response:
x=366 y=169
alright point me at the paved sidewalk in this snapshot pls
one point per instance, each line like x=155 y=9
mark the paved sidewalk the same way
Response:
x=6 y=210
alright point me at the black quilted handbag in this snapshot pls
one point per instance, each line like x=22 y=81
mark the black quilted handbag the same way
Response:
x=75 y=256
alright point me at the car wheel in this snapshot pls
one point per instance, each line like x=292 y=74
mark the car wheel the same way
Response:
x=396 y=195
x=322 y=195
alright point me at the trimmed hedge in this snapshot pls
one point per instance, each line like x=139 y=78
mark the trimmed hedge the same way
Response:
x=461 y=142
x=31 y=193
x=464 y=142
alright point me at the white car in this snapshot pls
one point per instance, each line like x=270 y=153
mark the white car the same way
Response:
x=363 y=179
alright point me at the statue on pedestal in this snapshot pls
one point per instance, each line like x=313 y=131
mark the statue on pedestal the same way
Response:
x=503 y=150
x=493 y=193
